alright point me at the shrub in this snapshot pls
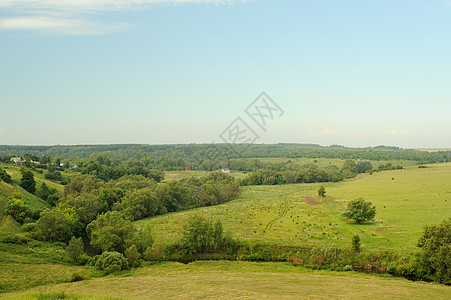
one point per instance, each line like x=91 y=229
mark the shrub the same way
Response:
x=110 y=262
x=155 y=253
x=14 y=239
x=29 y=227
x=359 y=210
x=76 y=277
x=16 y=207
x=356 y=243
x=331 y=255
x=133 y=256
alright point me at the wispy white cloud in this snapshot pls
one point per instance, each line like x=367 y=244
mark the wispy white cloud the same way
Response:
x=71 y=17
x=97 y=5
x=66 y=26
x=396 y=132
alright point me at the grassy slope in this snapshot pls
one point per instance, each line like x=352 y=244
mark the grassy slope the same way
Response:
x=281 y=215
x=35 y=263
x=226 y=280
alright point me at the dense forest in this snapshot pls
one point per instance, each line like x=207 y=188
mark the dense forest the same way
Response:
x=210 y=157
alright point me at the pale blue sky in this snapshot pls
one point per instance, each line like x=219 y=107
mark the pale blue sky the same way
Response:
x=356 y=73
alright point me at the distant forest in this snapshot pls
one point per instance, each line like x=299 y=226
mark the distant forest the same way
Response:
x=209 y=156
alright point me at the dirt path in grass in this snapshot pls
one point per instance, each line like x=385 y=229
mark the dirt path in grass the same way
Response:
x=311 y=201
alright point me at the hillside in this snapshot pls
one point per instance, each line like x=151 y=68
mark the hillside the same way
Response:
x=406 y=201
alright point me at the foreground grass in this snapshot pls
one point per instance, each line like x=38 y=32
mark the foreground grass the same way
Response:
x=225 y=280
x=406 y=201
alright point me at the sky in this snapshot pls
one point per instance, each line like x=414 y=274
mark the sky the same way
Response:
x=348 y=72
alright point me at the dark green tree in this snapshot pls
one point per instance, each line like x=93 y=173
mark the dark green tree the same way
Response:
x=5 y=176
x=363 y=167
x=360 y=210
x=27 y=181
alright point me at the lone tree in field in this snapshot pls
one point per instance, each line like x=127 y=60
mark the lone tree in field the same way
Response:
x=322 y=192
x=360 y=211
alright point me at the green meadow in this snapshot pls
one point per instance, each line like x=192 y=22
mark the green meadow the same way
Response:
x=228 y=280
x=293 y=215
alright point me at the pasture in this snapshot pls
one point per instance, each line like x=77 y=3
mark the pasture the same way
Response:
x=293 y=215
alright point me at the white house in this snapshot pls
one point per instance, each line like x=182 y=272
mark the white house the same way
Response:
x=16 y=160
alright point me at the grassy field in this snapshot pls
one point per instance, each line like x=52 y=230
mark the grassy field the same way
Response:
x=406 y=200
x=324 y=162
x=178 y=175
x=245 y=280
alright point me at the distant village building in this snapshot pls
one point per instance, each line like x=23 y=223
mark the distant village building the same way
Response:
x=72 y=165
x=16 y=160
x=188 y=169
x=225 y=170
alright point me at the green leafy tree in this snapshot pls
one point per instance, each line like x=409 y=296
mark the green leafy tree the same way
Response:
x=363 y=167
x=145 y=238
x=139 y=204
x=87 y=206
x=75 y=249
x=435 y=256
x=16 y=207
x=360 y=210
x=202 y=235
x=27 y=181
x=111 y=232
x=53 y=226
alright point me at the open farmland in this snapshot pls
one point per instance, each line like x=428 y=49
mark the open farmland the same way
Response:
x=406 y=201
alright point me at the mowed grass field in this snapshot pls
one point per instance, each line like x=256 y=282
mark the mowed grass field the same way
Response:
x=245 y=280
x=292 y=215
